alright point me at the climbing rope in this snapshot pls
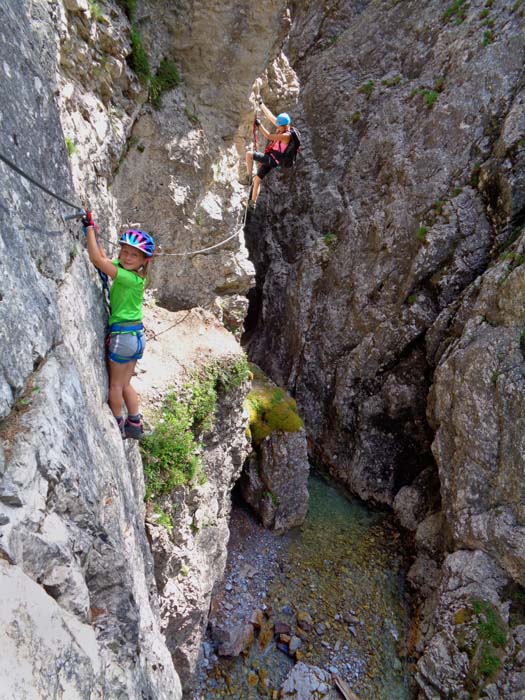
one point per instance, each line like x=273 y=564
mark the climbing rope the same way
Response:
x=81 y=212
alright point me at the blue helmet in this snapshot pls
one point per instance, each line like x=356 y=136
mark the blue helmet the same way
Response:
x=140 y=240
x=283 y=119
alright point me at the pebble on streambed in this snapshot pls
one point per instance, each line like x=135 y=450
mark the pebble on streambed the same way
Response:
x=323 y=598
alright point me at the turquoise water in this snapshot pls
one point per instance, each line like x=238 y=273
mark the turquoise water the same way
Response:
x=344 y=568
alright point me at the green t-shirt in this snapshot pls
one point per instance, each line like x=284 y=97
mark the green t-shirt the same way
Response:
x=126 y=295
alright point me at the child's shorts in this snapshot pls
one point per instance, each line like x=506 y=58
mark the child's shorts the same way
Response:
x=126 y=347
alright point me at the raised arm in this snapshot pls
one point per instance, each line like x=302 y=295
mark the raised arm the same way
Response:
x=269 y=115
x=97 y=256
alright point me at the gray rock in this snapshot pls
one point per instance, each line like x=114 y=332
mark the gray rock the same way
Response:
x=306 y=682
x=274 y=480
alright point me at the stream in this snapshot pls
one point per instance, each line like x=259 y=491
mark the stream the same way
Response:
x=335 y=586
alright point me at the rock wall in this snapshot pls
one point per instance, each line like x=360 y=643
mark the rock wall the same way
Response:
x=398 y=294
x=77 y=572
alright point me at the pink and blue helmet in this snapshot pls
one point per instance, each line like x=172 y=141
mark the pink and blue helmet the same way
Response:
x=139 y=239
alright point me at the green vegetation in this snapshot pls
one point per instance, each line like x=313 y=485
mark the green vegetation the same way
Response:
x=421 y=233
x=488 y=37
x=484 y=13
x=492 y=631
x=482 y=635
x=162 y=518
x=166 y=78
x=391 y=82
x=270 y=408
x=368 y=88
x=430 y=96
x=412 y=299
x=516 y=5
x=457 y=191
x=330 y=237
x=438 y=206
x=70 y=145
x=96 y=12
x=171 y=453
x=355 y=117
x=138 y=60
x=457 y=11
x=129 y=7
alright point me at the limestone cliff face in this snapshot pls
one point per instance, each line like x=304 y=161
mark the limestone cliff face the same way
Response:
x=79 y=586
x=80 y=611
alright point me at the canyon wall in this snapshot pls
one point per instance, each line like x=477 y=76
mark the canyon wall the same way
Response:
x=391 y=260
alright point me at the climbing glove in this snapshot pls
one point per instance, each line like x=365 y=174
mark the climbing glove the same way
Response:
x=88 y=220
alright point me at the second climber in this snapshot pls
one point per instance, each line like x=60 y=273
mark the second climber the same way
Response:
x=273 y=153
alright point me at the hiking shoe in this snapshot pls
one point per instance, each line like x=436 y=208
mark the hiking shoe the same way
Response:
x=133 y=430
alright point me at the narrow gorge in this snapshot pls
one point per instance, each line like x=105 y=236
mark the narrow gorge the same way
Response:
x=343 y=372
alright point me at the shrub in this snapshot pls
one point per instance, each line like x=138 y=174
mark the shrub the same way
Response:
x=166 y=78
x=171 y=454
x=138 y=59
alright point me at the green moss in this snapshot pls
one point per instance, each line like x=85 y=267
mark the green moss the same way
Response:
x=355 y=117
x=462 y=616
x=138 y=59
x=484 y=13
x=412 y=299
x=368 y=88
x=270 y=409
x=330 y=237
x=166 y=78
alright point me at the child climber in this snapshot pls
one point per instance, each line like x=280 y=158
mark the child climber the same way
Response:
x=273 y=153
x=126 y=339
